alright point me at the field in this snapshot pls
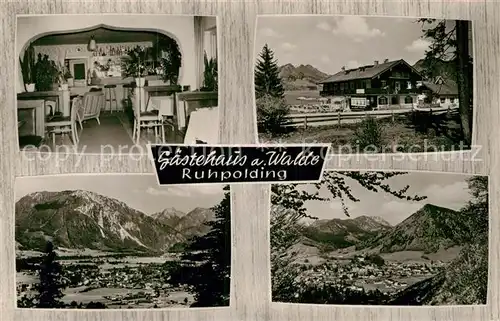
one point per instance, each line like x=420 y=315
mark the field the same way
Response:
x=400 y=135
x=124 y=282
x=291 y=96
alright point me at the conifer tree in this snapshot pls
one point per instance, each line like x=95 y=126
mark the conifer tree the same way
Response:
x=267 y=80
x=50 y=288
x=206 y=263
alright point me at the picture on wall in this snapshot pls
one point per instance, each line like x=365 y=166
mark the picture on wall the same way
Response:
x=381 y=238
x=365 y=84
x=121 y=242
x=97 y=83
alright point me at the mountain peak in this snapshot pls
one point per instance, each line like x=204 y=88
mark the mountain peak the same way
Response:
x=302 y=77
x=376 y=219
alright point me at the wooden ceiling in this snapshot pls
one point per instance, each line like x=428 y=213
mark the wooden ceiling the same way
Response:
x=101 y=35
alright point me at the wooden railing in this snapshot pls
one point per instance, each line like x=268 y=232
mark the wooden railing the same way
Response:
x=321 y=119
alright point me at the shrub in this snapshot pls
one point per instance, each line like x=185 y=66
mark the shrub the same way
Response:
x=271 y=114
x=369 y=134
x=376 y=259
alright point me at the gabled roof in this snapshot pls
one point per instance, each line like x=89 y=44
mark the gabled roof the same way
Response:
x=446 y=88
x=365 y=72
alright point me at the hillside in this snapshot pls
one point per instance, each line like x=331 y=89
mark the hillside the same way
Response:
x=302 y=77
x=82 y=219
x=428 y=230
x=445 y=69
x=188 y=224
x=463 y=282
x=341 y=233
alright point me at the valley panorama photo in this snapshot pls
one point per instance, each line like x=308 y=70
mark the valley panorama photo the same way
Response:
x=121 y=242
x=381 y=238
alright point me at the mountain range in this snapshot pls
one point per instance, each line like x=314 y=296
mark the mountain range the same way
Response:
x=302 y=77
x=81 y=219
x=429 y=229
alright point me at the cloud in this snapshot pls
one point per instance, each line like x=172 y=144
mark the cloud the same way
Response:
x=453 y=195
x=288 y=46
x=396 y=211
x=324 y=26
x=351 y=64
x=185 y=191
x=357 y=28
x=419 y=45
x=269 y=32
x=168 y=191
x=336 y=206
x=325 y=59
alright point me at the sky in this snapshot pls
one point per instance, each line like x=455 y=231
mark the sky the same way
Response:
x=328 y=43
x=139 y=191
x=442 y=189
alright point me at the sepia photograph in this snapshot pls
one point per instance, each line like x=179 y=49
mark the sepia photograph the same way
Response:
x=365 y=84
x=381 y=238
x=100 y=83
x=121 y=242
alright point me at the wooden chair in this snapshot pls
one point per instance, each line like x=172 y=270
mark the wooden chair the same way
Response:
x=146 y=119
x=92 y=102
x=65 y=124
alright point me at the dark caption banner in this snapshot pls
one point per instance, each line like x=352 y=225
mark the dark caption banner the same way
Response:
x=181 y=164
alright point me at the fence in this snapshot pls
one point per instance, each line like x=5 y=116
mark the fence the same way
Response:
x=321 y=119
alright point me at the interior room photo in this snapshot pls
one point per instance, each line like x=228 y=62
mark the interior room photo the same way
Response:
x=85 y=82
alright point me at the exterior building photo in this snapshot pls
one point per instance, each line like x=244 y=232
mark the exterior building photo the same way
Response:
x=440 y=92
x=376 y=86
x=365 y=84
x=88 y=81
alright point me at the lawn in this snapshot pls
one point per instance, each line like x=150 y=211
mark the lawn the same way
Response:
x=400 y=135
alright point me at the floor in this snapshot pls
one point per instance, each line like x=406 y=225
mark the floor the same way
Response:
x=113 y=135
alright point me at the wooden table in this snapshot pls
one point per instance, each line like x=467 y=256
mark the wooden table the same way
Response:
x=62 y=97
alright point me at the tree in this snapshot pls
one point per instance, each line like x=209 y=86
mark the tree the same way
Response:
x=451 y=44
x=205 y=266
x=267 y=80
x=272 y=114
x=51 y=286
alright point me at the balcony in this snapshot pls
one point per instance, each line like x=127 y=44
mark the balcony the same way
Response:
x=367 y=91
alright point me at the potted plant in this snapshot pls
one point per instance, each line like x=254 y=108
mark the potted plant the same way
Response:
x=208 y=95
x=28 y=69
x=135 y=65
x=68 y=77
x=169 y=59
x=47 y=75
x=209 y=74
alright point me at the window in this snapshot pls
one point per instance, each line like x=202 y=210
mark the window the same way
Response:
x=408 y=100
x=382 y=100
x=442 y=100
x=452 y=100
x=351 y=85
x=368 y=83
x=408 y=85
x=383 y=83
x=397 y=86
